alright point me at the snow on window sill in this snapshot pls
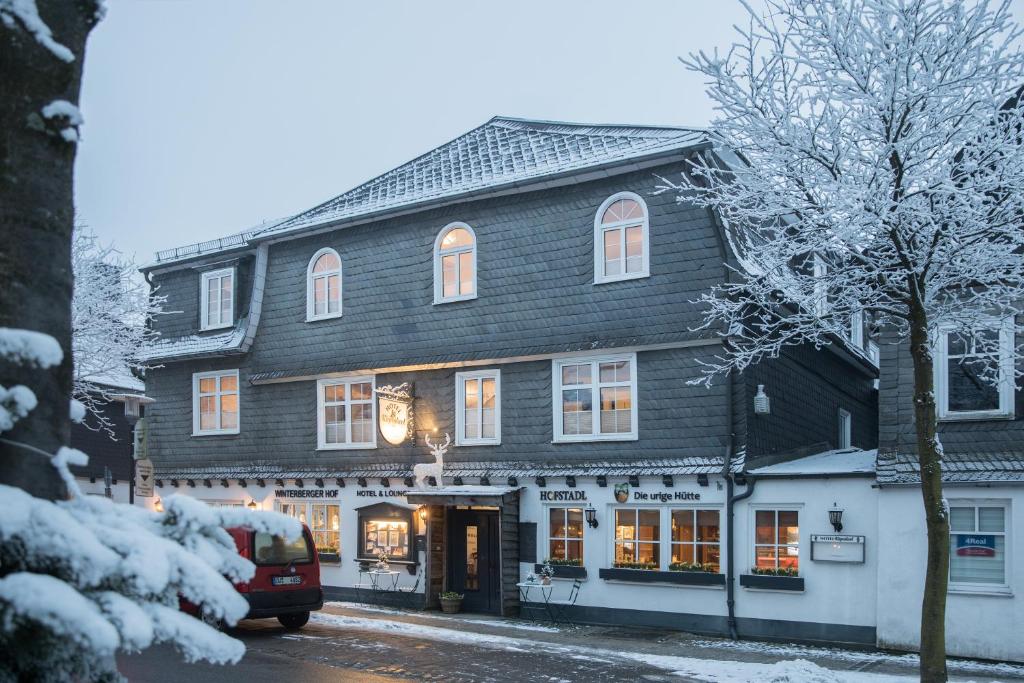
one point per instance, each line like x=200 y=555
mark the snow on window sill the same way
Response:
x=222 y=326
x=976 y=416
x=592 y=438
x=216 y=432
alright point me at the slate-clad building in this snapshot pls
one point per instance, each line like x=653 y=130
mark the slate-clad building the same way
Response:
x=481 y=361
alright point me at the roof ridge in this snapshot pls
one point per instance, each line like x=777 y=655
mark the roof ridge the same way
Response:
x=576 y=124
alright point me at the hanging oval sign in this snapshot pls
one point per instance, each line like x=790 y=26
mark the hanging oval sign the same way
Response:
x=394 y=413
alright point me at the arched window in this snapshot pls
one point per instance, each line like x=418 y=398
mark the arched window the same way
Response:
x=323 y=285
x=620 y=239
x=455 y=264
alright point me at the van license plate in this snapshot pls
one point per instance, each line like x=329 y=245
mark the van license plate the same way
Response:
x=285 y=580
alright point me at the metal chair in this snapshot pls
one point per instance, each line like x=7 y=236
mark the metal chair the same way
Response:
x=560 y=607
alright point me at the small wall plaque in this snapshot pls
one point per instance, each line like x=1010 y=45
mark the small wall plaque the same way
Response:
x=837 y=548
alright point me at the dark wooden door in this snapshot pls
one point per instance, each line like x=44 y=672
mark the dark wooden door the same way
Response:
x=473 y=559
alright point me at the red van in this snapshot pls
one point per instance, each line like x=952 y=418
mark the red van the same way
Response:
x=287 y=580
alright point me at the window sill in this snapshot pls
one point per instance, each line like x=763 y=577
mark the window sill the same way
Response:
x=223 y=432
x=478 y=443
x=455 y=299
x=657 y=576
x=214 y=328
x=347 y=447
x=794 y=584
x=994 y=593
x=975 y=417
x=593 y=439
x=621 y=278
x=564 y=571
x=323 y=317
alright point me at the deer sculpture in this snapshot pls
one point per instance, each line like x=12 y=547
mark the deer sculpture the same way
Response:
x=425 y=470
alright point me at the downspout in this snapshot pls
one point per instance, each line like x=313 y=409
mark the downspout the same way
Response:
x=730 y=570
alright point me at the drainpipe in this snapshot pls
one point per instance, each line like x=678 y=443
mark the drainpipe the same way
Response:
x=730 y=571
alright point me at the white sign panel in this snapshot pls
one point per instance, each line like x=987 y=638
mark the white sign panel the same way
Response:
x=837 y=548
x=394 y=420
x=144 y=478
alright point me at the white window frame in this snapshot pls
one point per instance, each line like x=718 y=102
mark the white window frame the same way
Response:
x=857 y=329
x=819 y=269
x=311 y=314
x=321 y=432
x=694 y=509
x=599 y=230
x=798 y=508
x=204 y=301
x=460 y=408
x=439 y=297
x=664 y=546
x=963 y=586
x=565 y=506
x=845 y=439
x=556 y=398
x=1006 y=382
x=217 y=374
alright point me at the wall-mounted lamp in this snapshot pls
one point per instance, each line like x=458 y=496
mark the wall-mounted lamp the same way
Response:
x=835 y=517
x=702 y=479
x=252 y=504
x=158 y=505
x=422 y=512
x=762 y=404
x=591 y=515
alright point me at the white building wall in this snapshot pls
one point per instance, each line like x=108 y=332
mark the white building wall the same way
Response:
x=118 y=492
x=977 y=624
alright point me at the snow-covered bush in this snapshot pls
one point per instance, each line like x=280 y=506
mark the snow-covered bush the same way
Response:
x=84 y=578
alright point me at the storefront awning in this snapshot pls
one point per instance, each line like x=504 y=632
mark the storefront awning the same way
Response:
x=460 y=495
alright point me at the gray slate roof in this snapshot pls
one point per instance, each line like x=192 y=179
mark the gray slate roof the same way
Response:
x=503 y=153
x=899 y=468
x=197 y=344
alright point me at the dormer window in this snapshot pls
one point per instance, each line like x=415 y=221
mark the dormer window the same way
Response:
x=621 y=239
x=323 y=285
x=455 y=264
x=974 y=372
x=217 y=299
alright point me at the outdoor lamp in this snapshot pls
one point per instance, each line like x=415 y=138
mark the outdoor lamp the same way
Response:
x=252 y=504
x=422 y=512
x=835 y=517
x=591 y=514
x=158 y=505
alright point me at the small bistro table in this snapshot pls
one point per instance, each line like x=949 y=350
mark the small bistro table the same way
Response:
x=384 y=580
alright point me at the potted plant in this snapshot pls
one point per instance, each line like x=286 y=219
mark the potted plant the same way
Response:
x=451 y=602
x=546 y=572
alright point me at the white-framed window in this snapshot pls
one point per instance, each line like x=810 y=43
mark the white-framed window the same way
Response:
x=323 y=520
x=977 y=545
x=606 y=385
x=845 y=437
x=323 y=285
x=565 y=535
x=455 y=264
x=637 y=539
x=696 y=540
x=346 y=413
x=776 y=541
x=621 y=239
x=857 y=329
x=819 y=269
x=215 y=407
x=965 y=366
x=217 y=299
x=478 y=408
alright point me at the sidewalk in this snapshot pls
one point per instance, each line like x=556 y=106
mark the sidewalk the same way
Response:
x=688 y=657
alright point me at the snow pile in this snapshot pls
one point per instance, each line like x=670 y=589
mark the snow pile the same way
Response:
x=66 y=114
x=15 y=403
x=799 y=671
x=24 y=12
x=28 y=347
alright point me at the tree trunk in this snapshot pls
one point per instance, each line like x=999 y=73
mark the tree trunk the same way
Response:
x=36 y=218
x=929 y=453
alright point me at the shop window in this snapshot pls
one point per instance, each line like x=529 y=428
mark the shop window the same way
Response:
x=215 y=403
x=565 y=536
x=637 y=538
x=478 y=409
x=345 y=413
x=608 y=382
x=695 y=540
x=621 y=239
x=974 y=375
x=977 y=547
x=455 y=264
x=324 y=520
x=216 y=299
x=776 y=542
x=269 y=549
x=385 y=529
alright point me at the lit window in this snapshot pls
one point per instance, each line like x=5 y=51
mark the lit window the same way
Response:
x=776 y=542
x=478 y=408
x=637 y=534
x=695 y=540
x=608 y=382
x=215 y=403
x=323 y=285
x=974 y=375
x=455 y=264
x=385 y=529
x=345 y=413
x=621 y=239
x=845 y=429
x=565 y=535
x=977 y=548
x=324 y=520
x=217 y=299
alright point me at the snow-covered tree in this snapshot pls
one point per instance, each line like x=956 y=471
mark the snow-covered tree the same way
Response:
x=110 y=312
x=869 y=165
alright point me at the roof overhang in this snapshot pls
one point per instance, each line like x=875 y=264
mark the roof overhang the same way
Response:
x=460 y=495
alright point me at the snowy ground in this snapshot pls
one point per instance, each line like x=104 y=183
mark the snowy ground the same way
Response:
x=356 y=642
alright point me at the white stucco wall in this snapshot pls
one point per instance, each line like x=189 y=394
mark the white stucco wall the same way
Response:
x=118 y=492
x=977 y=625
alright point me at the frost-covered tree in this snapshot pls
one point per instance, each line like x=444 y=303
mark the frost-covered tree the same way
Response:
x=869 y=164
x=110 y=315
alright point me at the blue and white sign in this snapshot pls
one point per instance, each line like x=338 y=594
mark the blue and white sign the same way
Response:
x=975 y=545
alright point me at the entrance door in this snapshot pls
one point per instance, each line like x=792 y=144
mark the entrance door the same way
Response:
x=473 y=560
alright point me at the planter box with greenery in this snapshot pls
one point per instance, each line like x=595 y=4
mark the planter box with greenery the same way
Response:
x=773 y=579
x=451 y=602
x=642 y=572
x=564 y=569
x=330 y=558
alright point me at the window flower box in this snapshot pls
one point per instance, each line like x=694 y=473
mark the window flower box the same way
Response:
x=331 y=558
x=656 y=576
x=564 y=571
x=772 y=582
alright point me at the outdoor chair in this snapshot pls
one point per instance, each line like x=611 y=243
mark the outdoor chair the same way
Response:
x=559 y=608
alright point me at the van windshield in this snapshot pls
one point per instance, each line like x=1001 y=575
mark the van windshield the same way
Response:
x=270 y=549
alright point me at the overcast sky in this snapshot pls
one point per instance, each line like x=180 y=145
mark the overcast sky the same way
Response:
x=203 y=117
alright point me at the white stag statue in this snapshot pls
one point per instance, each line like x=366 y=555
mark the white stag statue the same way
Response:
x=425 y=470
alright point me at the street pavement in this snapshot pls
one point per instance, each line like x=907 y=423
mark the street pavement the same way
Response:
x=348 y=642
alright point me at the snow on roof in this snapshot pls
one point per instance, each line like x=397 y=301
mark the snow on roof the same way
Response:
x=463 y=491
x=504 y=152
x=841 y=461
x=896 y=468
x=124 y=380
x=196 y=344
x=590 y=468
